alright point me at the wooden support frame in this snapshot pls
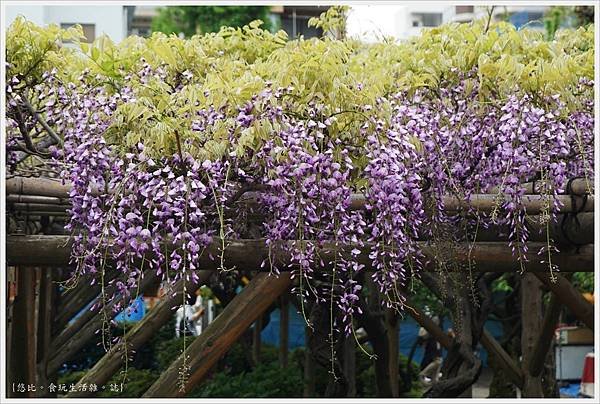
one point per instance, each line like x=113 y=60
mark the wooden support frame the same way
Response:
x=110 y=363
x=482 y=202
x=75 y=300
x=45 y=314
x=507 y=363
x=55 y=250
x=218 y=337
x=22 y=368
x=569 y=297
x=309 y=378
x=85 y=333
x=432 y=328
x=257 y=340
x=531 y=317
x=391 y=327
x=544 y=341
x=487 y=340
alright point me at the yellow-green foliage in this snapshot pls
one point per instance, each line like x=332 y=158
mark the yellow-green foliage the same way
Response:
x=231 y=66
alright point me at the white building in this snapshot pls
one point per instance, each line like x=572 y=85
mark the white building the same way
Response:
x=95 y=20
x=367 y=22
x=373 y=22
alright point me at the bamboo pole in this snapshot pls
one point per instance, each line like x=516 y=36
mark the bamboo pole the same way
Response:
x=579 y=186
x=55 y=250
x=218 y=337
x=38 y=207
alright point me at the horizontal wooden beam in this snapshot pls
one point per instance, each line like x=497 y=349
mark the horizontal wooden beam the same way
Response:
x=579 y=186
x=21 y=198
x=534 y=204
x=37 y=186
x=220 y=335
x=246 y=253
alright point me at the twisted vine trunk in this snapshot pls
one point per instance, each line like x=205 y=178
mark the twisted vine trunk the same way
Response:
x=461 y=368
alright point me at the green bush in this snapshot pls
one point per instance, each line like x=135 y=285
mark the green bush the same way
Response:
x=265 y=380
x=168 y=350
x=136 y=383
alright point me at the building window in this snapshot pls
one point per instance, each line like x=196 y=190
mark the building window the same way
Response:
x=427 y=19
x=89 y=30
x=464 y=9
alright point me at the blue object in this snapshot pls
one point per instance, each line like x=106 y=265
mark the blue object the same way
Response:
x=134 y=313
x=407 y=335
x=570 y=390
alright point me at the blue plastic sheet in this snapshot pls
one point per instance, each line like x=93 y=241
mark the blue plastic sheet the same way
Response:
x=570 y=390
x=135 y=312
x=407 y=333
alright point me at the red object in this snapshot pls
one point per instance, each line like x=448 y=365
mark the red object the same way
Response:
x=587 y=379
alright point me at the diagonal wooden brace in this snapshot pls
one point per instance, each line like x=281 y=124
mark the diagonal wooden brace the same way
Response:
x=220 y=335
x=570 y=297
x=143 y=331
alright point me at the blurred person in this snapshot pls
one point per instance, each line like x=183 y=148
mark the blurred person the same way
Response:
x=432 y=357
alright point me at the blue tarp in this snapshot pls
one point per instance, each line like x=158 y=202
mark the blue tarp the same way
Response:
x=135 y=311
x=407 y=334
x=570 y=390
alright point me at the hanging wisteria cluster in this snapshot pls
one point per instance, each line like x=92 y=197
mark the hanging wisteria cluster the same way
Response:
x=306 y=175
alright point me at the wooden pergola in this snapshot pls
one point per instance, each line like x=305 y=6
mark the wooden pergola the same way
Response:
x=42 y=339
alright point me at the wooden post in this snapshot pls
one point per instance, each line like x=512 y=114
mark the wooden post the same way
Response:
x=531 y=312
x=44 y=329
x=22 y=368
x=218 y=337
x=570 y=297
x=256 y=340
x=349 y=364
x=143 y=331
x=391 y=325
x=309 y=366
x=542 y=346
x=284 y=323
